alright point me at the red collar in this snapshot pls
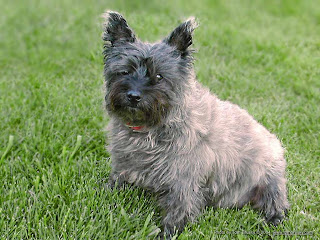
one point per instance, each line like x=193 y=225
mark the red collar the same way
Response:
x=136 y=128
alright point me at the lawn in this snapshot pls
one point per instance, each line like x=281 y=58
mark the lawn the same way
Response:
x=261 y=55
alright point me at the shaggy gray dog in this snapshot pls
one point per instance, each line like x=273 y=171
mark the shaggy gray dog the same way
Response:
x=172 y=136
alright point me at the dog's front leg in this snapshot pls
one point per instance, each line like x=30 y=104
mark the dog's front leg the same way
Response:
x=182 y=203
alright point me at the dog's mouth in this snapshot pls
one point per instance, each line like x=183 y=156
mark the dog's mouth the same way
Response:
x=134 y=119
x=140 y=118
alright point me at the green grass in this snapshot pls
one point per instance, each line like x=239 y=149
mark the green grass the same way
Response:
x=262 y=55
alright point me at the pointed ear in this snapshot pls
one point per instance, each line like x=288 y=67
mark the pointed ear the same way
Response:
x=181 y=37
x=116 y=29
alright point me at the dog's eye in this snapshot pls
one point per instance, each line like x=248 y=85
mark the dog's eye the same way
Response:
x=159 y=77
x=124 y=73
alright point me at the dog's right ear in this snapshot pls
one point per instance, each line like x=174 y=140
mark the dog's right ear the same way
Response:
x=116 y=29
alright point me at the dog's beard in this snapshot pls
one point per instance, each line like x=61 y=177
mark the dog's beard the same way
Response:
x=150 y=112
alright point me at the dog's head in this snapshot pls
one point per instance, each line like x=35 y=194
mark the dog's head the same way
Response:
x=144 y=81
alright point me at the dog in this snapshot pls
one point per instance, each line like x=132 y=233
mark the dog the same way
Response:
x=170 y=135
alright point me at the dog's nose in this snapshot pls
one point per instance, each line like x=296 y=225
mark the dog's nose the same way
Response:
x=134 y=96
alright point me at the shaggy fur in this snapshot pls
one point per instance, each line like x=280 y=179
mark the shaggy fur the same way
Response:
x=177 y=139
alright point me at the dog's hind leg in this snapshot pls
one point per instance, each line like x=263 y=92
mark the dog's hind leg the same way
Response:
x=270 y=198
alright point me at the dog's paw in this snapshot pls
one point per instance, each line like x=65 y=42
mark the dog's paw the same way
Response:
x=275 y=219
x=110 y=185
x=168 y=233
x=115 y=181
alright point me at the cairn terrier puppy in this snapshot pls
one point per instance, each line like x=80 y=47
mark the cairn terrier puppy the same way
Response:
x=170 y=135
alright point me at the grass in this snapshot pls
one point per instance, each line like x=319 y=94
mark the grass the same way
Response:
x=262 y=55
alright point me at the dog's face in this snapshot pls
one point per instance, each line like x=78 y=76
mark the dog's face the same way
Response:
x=143 y=80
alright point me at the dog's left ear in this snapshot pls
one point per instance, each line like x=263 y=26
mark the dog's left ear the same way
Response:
x=181 y=37
x=116 y=29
